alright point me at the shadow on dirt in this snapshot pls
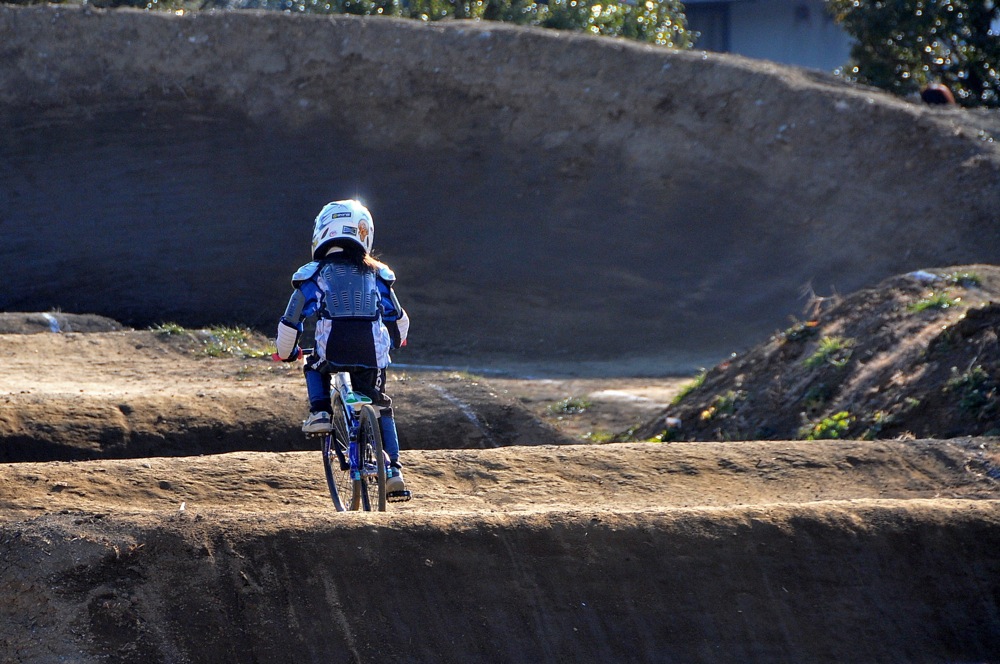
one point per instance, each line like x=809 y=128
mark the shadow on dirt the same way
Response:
x=735 y=585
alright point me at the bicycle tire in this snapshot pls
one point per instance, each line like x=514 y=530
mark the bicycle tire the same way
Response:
x=329 y=459
x=335 y=464
x=372 y=484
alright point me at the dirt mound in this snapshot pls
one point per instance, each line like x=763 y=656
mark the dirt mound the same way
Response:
x=55 y=321
x=522 y=180
x=695 y=552
x=905 y=582
x=916 y=355
x=134 y=393
x=690 y=551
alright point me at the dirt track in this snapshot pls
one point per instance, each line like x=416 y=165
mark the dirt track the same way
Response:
x=154 y=168
x=764 y=551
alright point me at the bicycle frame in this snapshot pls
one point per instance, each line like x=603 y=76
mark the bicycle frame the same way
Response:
x=355 y=446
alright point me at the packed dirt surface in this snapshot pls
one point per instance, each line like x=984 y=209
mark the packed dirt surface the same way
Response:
x=578 y=225
x=540 y=548
x=128 y=393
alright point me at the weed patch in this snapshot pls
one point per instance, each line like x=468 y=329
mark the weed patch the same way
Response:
x=237 y=341
x=835 y=351
x=570 y=406
x=723 y=404
x=976 y=392
x=934 y=301
x=832 y=427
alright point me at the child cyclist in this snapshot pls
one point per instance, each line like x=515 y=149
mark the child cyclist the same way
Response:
x=359 y=321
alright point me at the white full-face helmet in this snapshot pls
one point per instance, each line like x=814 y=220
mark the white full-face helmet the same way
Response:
x=342 y=220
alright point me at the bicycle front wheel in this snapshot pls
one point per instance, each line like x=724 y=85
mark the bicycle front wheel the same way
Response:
x=372 y=483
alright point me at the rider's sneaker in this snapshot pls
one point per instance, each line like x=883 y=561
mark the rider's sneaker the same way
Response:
x=395 y=487
x=317 y=423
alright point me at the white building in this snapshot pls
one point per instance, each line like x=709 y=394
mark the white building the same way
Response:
x=794 y=32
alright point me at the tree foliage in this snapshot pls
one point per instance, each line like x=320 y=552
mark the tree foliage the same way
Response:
x=654 y=21
x=903 y=45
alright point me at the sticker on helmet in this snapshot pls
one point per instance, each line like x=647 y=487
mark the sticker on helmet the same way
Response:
x=349 y=230
x=363 y=230
x=340 y=215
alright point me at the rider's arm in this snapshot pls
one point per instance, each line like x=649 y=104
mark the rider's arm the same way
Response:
x=393 y=315
x=303 y=303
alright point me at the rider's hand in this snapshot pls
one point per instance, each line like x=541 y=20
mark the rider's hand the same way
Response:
x=295 y=355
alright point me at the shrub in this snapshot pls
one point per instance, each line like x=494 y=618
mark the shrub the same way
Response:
x=659 y=22
x=902 y=45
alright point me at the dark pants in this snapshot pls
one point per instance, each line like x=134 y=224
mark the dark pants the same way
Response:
x=364 y=380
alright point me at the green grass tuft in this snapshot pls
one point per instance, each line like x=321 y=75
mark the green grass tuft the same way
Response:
x=835 y=351
x=935 y=300
x=690 y=387
x=168 y=329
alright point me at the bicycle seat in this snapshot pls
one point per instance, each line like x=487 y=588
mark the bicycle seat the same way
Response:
x=356 y=400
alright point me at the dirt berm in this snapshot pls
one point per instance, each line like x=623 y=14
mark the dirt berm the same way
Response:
x=543 y=196
x=768 y=552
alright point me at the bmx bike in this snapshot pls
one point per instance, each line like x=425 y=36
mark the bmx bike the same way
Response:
x=354 y=460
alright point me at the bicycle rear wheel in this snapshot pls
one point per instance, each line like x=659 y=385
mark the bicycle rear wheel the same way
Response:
x=372 y=483
x=335 y=463
x=330 y=469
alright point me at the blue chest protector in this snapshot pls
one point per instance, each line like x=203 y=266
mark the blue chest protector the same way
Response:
x=343 y=290
x=349 y=291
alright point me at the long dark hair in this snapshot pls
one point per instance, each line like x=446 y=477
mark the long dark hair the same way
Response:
x=356 y=254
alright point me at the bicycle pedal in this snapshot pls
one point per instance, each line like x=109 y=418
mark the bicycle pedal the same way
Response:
x=398 y=496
